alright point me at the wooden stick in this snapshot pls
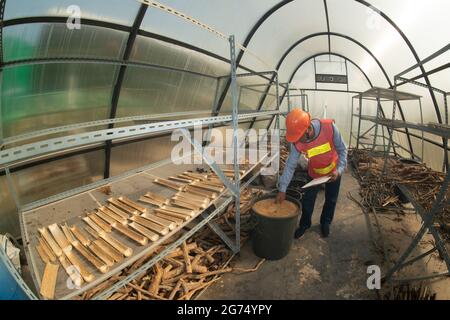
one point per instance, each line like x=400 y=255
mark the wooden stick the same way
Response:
x=186 y=212
x=67 y=233
x=119 y=212
x=50 y=241
x=113 y=215
x=84 y=272
x=93 y=225
x=60 y=238
x=48 y=251
x=74 y=275
x=156 y=197
x=207 y=187
x=110 y=250
x=192 y=196
x=186 y=205
x=151 y=225
x=201 y=192
x=122 y=206
x=175 y=290
x=42 y=254
x=144 y=231
x=179 y=251
x=116 y=244
x=169 y=184
x=151 y=201
x=181 y=216
x=183 y=176
x=154 y=286
x=80 y=235
x=165 y=223
x=195 y=175
x=211 y=273
x=184 y=180
x=187 y=260
x=101 y=223
x=169 y=218
x=199 y=205
x=174 y=262
x=100 y=265
x=196 y=267
x=105 y=217
x=48 y=282
x=103 y=255
x=131 y=234
x=132 y=204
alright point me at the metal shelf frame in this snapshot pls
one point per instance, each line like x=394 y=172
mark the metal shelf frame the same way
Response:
x=9 y=157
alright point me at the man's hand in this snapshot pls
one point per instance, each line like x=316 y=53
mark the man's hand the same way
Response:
x=281 y=196
x=334 y=176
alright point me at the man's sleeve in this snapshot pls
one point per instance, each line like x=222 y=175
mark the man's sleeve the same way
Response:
x=341 y=150
x=289 y=169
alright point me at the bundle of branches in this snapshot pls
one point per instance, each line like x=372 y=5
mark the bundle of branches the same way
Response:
x=407 y=292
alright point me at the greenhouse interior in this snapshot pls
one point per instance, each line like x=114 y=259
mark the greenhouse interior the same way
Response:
x=224 y=150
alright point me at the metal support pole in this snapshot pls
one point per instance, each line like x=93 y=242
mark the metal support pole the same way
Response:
x=359 y=122
x=288 y=98
x=421 y=124
x=234 y=99
x=213 y=111
x=351 y=125
x=446 y=164
x=391 y=134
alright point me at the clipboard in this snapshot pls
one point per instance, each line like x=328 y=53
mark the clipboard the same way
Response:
x=316 y=182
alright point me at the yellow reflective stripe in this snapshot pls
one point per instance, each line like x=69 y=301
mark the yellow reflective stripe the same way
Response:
x=319 y=150
x=325 y=170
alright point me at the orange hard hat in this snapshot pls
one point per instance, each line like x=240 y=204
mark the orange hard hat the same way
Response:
x=297 y=122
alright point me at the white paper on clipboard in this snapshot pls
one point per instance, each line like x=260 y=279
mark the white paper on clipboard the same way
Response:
x=316 y=182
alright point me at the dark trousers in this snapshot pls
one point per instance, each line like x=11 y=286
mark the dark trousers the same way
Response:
x=309 y=199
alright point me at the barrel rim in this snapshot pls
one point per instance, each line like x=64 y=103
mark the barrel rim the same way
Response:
x=272 y=195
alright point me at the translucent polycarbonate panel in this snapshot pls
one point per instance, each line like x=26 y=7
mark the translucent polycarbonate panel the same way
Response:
x=369 y=28
x=162 y=53
x=300 y=53
x=423 y=22
x=433 y=155
x=284 y=27
x=46 y=40
x=228 y=17
x=412 y=108
x=9 y=217
x=138 y=154
x=36 y=97
x=117 y=11
x=304 y=77
x=149 y=91
x=44 y=180
x=330 y=64
x=356 y=79
x=362 y=59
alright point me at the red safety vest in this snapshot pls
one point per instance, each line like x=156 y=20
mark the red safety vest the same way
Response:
x=321 y=151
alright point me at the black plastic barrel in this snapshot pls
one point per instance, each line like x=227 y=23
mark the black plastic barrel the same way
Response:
x=272 y=236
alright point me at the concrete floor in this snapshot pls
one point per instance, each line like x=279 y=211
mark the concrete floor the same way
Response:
x=315 y=268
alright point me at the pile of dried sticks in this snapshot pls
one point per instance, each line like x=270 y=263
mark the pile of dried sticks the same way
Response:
x=408 y=292
x=188 y=269
x=379 y=190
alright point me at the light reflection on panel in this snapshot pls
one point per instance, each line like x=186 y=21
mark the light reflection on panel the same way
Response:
x=45 y=40
x=9 y=219
x=44 y=96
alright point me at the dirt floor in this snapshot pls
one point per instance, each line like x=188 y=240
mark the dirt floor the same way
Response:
x=334 y=267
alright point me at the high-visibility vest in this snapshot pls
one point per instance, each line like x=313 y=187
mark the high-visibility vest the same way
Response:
x=321 y=151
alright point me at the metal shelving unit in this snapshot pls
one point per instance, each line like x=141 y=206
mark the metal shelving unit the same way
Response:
x=28 y=213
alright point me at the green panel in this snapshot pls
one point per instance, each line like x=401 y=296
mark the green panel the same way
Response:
x=45 y=40
x=36 y=97
x=148 y=91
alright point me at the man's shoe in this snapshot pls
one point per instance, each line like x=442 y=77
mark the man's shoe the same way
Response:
x=325 y=228
x=300 y=232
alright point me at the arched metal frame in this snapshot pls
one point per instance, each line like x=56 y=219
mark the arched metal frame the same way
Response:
x=135 y=30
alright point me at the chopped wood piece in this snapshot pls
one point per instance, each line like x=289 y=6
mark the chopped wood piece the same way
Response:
x=181 y=216
x=131 y=234
x=207 y=187
x=156 y=197
x=181 y=202
x=110 y=250
x=188 y=212
x=154 y=286
x=196 y=175
x=211 y=273
x=196 y=267
x=80 y=235
x=169 y=184
x=179 y=251
x=173 y=273
x=93 y=225
x=177 y=221
x=187 y=259
x=101 y=223
x=151 y=201
x=117 y=211
x=119 y=246
x=144 y=231
x=100 y=265
x=42 y=254
x=113 y=215
x=85 y=273
x=48 y=251
x=176 y=289
x=68 y=234
x=201 y=192
x=151 y=225
x=122 y=206
x=189 y=198
x=60 y=238
x=50 y=241
x=183 y=176
x=184 y=180
x=104 y=256
x=193 y=196
x=72 y=272
x=48 y=282
x=105 y=217
x=165 y=223
x=132 y=204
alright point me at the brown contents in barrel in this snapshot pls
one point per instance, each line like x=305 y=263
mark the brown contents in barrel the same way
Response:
x=269 y=208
